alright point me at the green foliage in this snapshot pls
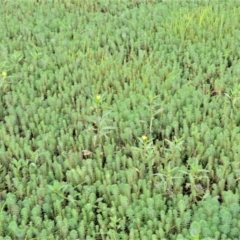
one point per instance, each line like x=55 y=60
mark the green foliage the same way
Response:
x=119 y=119
x=215 y=217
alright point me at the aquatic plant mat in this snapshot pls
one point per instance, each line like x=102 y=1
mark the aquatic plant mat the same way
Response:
x=119 y=119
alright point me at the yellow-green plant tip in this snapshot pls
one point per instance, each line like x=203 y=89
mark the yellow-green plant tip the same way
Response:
x=4 y=74
x=98 y=97
x=144 y=138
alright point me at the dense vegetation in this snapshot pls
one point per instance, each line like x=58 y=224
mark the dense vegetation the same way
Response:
x=119 y=119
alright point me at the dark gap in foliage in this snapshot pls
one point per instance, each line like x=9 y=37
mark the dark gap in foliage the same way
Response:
x=155 y=168
x=186 y=188
x=157 y=137
x=127 y=56
x=104 y=160
x=184 y=158
x=103 y=10
x=229 y=63
x=215 y=93
x=74 y=134
x=146 y=48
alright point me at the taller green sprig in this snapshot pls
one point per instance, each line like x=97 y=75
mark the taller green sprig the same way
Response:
x=99 y=120
x=147 y=150
x=174 y=148
x=97 y=103
x=233 y=96
x=152 y=105
x=198 y=180
x=3 y=81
